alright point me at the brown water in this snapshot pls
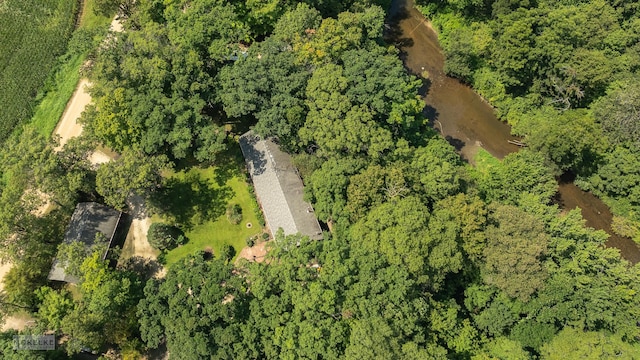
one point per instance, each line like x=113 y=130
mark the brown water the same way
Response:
x=469 y=123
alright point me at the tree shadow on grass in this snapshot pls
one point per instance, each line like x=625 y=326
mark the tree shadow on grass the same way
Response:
x=191 y=200
x=229 y=164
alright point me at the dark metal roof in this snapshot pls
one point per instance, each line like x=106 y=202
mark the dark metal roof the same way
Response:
x=88 y=220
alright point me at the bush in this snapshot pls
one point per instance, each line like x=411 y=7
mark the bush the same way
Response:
x=234 y=214
x=227 y=252
x=251 y=241
x=165 y=237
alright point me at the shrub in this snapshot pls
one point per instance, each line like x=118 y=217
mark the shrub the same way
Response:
x=227 y=252
x=234 y=214
x=251 y=241
x=165 y=237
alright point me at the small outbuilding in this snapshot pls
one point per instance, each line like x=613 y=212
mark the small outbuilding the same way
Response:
x=278 y=188
x=88 y=220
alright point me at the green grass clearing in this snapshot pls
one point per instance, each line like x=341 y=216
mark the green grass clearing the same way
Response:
x=89 y=19
x=196 y=200
x=50 y=109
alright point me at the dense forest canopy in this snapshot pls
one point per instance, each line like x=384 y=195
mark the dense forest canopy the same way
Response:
x=428 y=257
x=565 y=75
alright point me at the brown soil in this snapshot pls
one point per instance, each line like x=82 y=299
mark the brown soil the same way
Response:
x=255 y=253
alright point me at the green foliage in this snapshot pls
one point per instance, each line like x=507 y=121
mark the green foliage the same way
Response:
x=164 y=237
x=196 y=309
x=570 y=139
x=105 y=312
x=54 y=307
x=72 y=255
x=149 y=97
x=25 y=277
x=268 y=83
x=110 y=7
x=617 y=112
x=131 y=174
x=234 y=214
x=619 y=176
x=327 y=187
x=573 y=344
x=372 y=109
x=516 y=242
x=8 y=351
x=436 y=168
x=502 y=348
x=522 y=172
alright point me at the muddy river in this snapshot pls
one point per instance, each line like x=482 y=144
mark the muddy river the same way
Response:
x=469 y=123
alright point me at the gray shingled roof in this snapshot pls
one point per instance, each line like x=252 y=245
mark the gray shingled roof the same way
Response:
x=87 y=221
x=278 y=188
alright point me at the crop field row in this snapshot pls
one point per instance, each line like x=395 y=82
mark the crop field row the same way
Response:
x=33 y=34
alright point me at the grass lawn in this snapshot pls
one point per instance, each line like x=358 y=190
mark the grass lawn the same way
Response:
x=50 y=109
x=196 y=200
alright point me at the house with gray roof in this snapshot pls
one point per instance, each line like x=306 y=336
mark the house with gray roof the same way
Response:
x=278 y=188
x=88 y=221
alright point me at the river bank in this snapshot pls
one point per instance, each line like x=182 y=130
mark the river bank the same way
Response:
x=469 y=123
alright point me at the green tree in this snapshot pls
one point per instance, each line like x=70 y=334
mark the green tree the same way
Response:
x=398 y=230
x=617 y=112
x=515 y=245
x=571 y=139
x=572 y=343
x=436 y=170
x=54 y=307
x=337 y=126
x=133 y=173
x=618 y=176
x=270 y=84
x=522 y=172
x=197 y=309
x=327 y=186
x=502 y=348
x=105 y=312
x=164 y=237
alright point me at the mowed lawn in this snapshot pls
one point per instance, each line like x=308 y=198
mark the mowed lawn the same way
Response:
x=196 y=201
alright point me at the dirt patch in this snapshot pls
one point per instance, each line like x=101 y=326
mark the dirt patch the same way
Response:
x=137 y=239
x=17 y=322
x=116 y=25
x=255 y=253
x=68 y=127
x=98 y=157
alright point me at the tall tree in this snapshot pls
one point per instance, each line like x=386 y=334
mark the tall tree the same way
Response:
x=133 y=173
x=197 y=309
x=515 y=246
